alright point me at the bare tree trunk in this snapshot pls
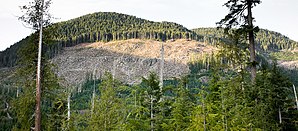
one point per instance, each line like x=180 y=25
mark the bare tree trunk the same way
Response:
x=68 y=106
x=161 y=66
x=8 y=116
x=295 y=93
x=135 y=98
x=7 y=109
x=204 y=116
x=114 y=68
x=279 y=115
x=8 y=89
x=93 y=94
x=151 y=112
x=17 y=91
x=105 y=120
x=253 y=68
x=6 y=106
x=38 y=76
x=79 y=88
x=93 y=101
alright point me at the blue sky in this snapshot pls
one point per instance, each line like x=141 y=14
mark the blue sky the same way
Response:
x=277 y=15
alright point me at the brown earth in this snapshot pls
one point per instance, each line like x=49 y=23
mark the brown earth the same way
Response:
x=127 y=60
x=288 y=64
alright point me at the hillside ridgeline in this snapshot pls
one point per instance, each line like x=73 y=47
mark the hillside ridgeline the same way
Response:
x=110 y=26
x=101 y=26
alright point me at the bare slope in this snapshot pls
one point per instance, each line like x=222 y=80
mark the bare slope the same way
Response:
x=127 y=60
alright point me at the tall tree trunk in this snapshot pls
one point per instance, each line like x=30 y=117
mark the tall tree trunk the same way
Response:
x=17 y=91
x=279 y=116
x=114 y=67
x=295 y=93
x=161 y=66
x=38 y=76
x=68 y=106
x=93 y=101
x=93 y=94
x=204 y=116
x=253 y=68
x=151 y=113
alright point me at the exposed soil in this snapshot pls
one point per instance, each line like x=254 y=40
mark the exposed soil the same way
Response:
x=127 y=60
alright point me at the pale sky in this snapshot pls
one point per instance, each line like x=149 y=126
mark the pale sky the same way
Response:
x=276 y=15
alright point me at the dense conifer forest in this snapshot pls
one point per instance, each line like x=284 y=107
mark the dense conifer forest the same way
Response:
x=110 y=26
x=216 y=94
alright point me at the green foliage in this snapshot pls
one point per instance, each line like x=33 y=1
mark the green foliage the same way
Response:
x=137 y=122
x=151 y=100
x=107 y=26
x=230 y=102
x=136 y=118
x=216 y=95
x=273 y=90
x=181 y=108
x=24 y=107
x=285 y=55
x=78 y=120
x=52 y=107
x=101 y=26
x=266 y=40
x=81 y=99
x=209 y=113
x=34 y=12
x=8 y=91
x=274 y=41
x=109 y=111
x=291 y=74
x=236 y=16
x=227 y=102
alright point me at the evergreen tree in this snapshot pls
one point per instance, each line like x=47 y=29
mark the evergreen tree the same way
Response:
x=109 y=111
x=273 y=89
x=137 y=112
x=34 y=16
x=23 y=106
x=151 y=99
x=181 y=107
x=244 y=23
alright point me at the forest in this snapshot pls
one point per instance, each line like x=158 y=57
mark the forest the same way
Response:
x=220 y=92
x=110 y=26
x=213 y=96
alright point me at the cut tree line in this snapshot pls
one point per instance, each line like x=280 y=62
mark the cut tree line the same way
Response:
x=101 y=27
x=230 y=90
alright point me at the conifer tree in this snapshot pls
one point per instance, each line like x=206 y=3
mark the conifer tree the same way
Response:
x=137 y=112
x=151 y=98
x=244 y=24
x=181 y=107
x=34 y=16
x=109 y=111
x=23 y=105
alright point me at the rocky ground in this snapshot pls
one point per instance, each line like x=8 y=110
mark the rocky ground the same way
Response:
x=288 y=64
x=127 y=60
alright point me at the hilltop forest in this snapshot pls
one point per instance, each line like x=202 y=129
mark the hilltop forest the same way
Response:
x=106 y=26
x=216 y=94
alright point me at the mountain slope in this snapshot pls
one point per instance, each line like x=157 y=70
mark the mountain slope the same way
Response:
x=127 y=60
x=101 y=26
x=106 y=26
x=111 y=26
x=266 y=40
x=115 y=28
